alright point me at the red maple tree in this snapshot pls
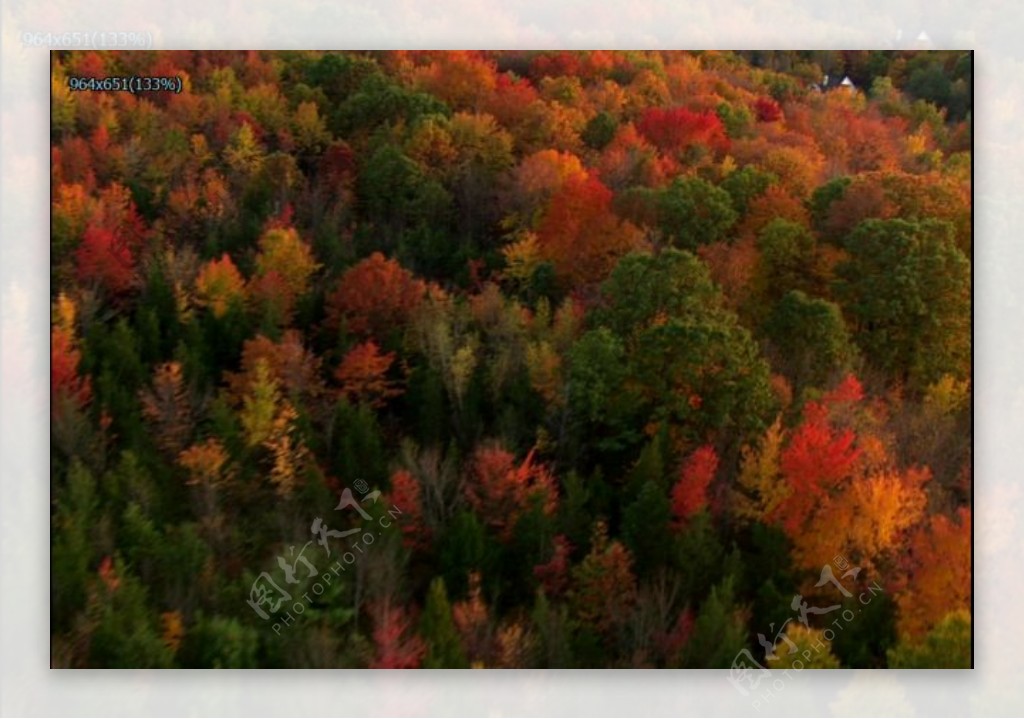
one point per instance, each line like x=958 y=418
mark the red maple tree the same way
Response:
x=675 y=129
x=407 y=496
x=106 y=258
x=65 y=382
x=374 y=296
x=553 y=575
x=690 y=493
x=816 y=460
x=396 y=645
x=502 y=491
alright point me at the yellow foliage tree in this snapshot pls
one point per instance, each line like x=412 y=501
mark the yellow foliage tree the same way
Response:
x=522 y=256
x=806 y=646
x=259 y=405
x=761 y=485
x=219 y=284
x=867 y=521
x=284 y=252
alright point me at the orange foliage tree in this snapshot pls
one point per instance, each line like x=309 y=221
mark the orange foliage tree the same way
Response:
x=363 y=375
x=581 y=236
x=775 y=203
x=939 y=580
x=166 y=406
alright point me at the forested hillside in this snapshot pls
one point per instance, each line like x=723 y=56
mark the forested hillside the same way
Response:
x=511 y=359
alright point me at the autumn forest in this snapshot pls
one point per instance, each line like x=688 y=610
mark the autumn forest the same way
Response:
x=511 y=359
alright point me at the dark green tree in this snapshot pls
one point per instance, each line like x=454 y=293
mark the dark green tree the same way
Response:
x=645 y=528
x=811 y=337
x=745 y=184
x=907 y=291
x=600 y=130
x=693 y=212
x=719 y=632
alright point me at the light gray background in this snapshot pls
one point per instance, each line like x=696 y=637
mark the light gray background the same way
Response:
x=993 y=29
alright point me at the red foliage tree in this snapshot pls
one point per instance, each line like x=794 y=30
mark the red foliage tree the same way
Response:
x=108 y=574
x=501 y=492
x=690 y=493
x=270 y=292
x=848 y=390
x=113 y=233
x=555 y=64
x=675 y=129
x=629 y=159
x=65 y=382
x=100 y=141
x=816 y=460
x=670 y=643
x=375 y=296
x=553 y=575
x=512 y=102
x=397 y=647
x=337 y=165
x=76 y=162
x=115 y=211
x=406 y=495
x=89 y=64
x=860 y=201
x=767 y=110
x=105 y=258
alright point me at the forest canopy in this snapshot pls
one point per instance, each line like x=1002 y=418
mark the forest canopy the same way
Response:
x=511 y=359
